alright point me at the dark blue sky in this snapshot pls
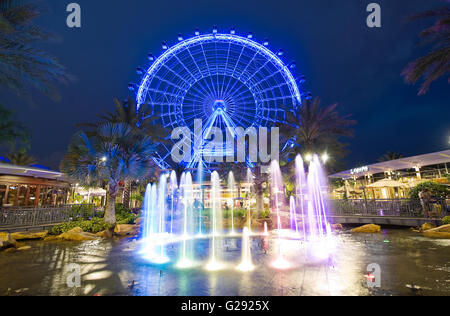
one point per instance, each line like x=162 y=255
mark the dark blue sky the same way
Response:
x=344 y=61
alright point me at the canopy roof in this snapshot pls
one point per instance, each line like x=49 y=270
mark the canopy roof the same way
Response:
x=13 y=170
x=386 y=183
x=399 y=164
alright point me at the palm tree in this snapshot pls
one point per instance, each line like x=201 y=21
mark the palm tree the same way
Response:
x=390 y=155
x=21 y=158
x=11 y=131
x=116 y=153
x=141 y=120
x=22 y=62
x=437 y=62
x=316 y=129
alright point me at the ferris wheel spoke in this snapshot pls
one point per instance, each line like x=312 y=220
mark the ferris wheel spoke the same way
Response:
x=200 y=88
x=248 y=65
x=226 y=68
x=257 y=72
x=266 y=78
x=235 y=67
x=198 y=67
x=209 y=69
x=226 y=81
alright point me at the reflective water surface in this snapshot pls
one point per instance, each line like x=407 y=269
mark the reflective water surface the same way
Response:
x=116 y=268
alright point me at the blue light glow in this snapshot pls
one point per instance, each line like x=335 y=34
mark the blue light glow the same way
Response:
x=188 y=79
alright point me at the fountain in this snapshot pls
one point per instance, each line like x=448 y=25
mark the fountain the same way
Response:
x=277 y=191
x=246 y=264
x=183 y=227
x=231 y=188
x=188 y=200
x=173 y=191
x=216 y=206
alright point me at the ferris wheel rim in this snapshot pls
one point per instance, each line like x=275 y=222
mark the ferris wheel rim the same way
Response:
x=172 y=51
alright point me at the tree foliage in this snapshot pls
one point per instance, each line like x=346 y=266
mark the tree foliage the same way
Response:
x=436 y=63
x=22 y=62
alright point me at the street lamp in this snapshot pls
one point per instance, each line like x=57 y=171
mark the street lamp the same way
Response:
x=309 y=157
x=325 y=157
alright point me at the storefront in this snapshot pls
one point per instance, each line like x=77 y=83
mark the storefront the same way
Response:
x=391 y=179
x=32 y=187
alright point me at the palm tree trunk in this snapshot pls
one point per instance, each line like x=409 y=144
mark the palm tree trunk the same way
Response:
x=110 y=212
x=126 y=194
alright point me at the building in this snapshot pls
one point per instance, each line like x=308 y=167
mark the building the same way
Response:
x=392 y=179
x=32 y=187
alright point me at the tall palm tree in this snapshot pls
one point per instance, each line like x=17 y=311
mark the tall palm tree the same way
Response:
x=390 y=155
x=21 y=158
x=141 y=120
x=316 y=129
x=11 y=131
x=437 y=62
x=22 y=62
x=116 y=153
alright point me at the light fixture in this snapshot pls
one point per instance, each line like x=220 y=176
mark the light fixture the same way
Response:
x=308 y=157
x=325 y=157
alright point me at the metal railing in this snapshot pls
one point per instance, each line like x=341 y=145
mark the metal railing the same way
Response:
x=16 y=217
x=395 y=207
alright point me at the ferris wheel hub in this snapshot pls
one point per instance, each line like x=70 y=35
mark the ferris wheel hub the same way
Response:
x=219 y=106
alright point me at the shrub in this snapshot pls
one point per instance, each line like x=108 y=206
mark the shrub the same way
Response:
x=93 y=226
x=265 y=214
x=439 y=191
x=446 y=220
x=125 y=215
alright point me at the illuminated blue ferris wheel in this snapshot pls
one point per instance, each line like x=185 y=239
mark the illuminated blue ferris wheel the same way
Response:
x=225 y=80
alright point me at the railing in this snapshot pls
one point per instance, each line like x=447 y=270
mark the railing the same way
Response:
x=395 y=207
x=16 y=217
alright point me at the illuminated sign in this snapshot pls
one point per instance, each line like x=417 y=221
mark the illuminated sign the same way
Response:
x=359 y=170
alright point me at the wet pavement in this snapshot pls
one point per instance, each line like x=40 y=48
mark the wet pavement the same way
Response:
x=115 y=267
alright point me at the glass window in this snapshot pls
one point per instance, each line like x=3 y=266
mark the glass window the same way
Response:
x=12 y=194
x=2 y=193
x=22 y=195
x=32 y=195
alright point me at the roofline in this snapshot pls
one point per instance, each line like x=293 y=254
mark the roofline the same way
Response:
x=15 y=170
x=409 y=162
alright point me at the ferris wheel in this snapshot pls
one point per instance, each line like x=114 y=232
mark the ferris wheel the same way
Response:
x=225 y=80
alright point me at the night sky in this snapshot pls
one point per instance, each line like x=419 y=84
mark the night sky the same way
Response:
x=344 y=61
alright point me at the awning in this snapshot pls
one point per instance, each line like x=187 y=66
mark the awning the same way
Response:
x=386 y=183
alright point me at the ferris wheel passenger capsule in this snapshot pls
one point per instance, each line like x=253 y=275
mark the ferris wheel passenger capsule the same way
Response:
x=131 y=86
x=250 y=35
x=151 y=57
x=266 y=42
x=280 y=53
x=293 y=65
x=233 y=31
x=164 y=46
x=302 y=79
x=197 y=32
x=214 y=29
x=140 y=71
x=180 y=37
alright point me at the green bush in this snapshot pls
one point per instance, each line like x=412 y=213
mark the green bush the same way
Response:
x=93 y=226
x=264 y=214
x=446 y=220
x=124 y=215
x=439 y=191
